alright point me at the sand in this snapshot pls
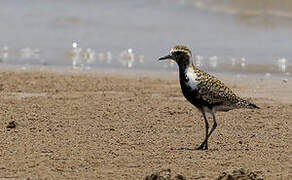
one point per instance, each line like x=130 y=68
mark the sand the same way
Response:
x=95 y=126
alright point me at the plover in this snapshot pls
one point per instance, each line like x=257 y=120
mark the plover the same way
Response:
x=203 y=90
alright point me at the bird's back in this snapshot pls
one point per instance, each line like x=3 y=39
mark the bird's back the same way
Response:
x=210 y=91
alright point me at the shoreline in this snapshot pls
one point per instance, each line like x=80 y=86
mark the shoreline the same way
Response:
x=112 y=71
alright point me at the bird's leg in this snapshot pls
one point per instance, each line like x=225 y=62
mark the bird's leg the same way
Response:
x=204 y=144
x=214 y=123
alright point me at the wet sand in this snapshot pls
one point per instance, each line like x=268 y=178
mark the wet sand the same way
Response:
x=70 y=126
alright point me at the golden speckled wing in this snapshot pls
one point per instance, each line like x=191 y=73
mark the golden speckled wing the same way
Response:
x=214 y=91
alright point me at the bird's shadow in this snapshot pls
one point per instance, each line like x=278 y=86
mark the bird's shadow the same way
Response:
x=185 y=149
x=192 y=149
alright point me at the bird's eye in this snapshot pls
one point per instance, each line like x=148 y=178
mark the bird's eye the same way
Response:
x=178 y=53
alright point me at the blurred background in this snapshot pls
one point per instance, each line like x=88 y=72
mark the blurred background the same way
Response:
x=230 y=36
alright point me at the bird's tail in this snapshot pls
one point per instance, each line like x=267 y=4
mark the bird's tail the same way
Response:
x=253 y=106
x=245 y=104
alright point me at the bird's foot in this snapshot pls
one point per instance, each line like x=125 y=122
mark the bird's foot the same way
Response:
x=203 y=146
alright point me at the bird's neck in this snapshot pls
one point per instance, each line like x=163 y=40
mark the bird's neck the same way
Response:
x=184 y=69
x=185 y=65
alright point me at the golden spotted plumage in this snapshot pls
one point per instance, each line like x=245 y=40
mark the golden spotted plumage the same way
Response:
x=215 y=91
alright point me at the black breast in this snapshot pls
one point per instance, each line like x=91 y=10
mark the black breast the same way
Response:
x=192 y=95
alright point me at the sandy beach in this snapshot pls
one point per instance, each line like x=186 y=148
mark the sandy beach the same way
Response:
x=88 y=126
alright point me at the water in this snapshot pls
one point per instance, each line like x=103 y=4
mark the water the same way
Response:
x=224 y=35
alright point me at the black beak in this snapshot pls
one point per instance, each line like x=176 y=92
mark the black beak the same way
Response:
x=165 y=57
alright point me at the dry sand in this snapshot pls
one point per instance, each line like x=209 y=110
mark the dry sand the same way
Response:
x=70 y=126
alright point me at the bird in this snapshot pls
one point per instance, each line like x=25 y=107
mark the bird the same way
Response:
x=207 y=93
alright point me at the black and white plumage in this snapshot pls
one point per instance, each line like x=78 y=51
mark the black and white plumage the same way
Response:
x=203 y=90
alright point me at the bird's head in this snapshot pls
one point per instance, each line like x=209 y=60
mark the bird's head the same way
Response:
x=180 y=54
